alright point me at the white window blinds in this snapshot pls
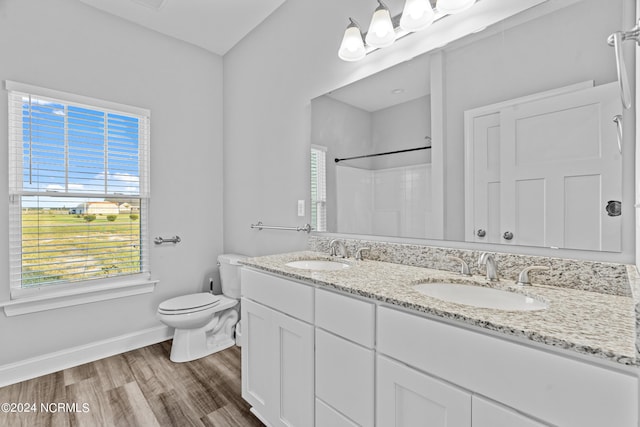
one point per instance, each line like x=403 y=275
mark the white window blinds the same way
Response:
x=318 y=188
x=78 y=186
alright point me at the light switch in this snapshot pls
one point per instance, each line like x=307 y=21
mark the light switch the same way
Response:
x=300 y=207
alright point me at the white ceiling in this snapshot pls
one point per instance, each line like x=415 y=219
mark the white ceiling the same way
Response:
x=215 y=25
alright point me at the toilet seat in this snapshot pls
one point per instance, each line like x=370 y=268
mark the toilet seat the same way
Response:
x=189 y=303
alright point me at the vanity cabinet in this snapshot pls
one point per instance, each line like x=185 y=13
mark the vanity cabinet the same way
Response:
x=345 y=360
x=550 y=387
x=318 y=357
x=278 y=349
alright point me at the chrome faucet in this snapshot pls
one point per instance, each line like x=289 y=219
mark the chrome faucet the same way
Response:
x=359 y=253
x=492 y=269
x=464 y=267
x=523 y=277
x=337 y=248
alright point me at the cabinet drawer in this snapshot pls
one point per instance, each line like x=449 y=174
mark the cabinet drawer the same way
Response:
x=492 y=414
x=287 y=296
x=326 y=416
x=557 y=389
x=345 y=377
x=345 y=316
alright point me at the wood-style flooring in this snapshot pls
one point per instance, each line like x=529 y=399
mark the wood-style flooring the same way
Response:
x=138 y=388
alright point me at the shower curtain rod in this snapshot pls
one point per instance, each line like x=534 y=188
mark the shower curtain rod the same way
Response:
x=383 y=154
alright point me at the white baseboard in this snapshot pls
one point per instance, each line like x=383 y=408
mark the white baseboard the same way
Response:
x=59 y=360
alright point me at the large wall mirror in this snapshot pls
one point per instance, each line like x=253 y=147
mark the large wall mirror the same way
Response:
x=508 y=135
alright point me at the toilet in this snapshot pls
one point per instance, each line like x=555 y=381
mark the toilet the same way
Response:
x=204 y=322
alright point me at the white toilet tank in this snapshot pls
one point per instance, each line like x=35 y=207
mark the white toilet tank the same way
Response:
x=230 y=274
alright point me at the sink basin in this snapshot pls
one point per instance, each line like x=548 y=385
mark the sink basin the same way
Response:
x=316 y=264
x=479 y=296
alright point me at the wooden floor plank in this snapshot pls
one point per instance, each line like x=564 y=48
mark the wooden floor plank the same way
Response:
x=29 y=397
x=113 y=372
x=230 y=416
x=171 y=410
x=130 y=408
x=89 y=394
x=79 y=373
x=138 y=388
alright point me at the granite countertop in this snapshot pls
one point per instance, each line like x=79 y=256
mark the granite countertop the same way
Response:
x=592 y=323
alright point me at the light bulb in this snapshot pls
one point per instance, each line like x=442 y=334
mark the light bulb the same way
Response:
x=416 y=15
x=352 y=46
x=381 y=32
x=453 y=6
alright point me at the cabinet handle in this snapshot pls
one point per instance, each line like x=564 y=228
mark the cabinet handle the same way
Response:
x=507 y=235
x=481 y=233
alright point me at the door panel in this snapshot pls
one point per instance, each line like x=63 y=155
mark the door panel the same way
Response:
x=407 y=398
x=257 y=372
x=559 y=165
x=295 y=361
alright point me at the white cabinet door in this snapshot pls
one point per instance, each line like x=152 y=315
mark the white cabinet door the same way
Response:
x=406 y=398
x=277 y=366
x=491 y=414
x=345 y=377
x=258 y=377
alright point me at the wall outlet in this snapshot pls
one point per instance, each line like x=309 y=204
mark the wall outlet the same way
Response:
x=300 y=207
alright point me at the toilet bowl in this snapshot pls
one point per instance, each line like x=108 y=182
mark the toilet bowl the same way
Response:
x=204 y=322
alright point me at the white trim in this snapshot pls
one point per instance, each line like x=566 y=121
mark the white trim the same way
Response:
x=73 y=98
x=76 y=296
x=52 y=362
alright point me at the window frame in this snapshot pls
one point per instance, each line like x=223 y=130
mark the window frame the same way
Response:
x=318 y=205
x=99 y=288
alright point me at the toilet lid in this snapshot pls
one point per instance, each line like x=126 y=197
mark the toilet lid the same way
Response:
x=189 y=302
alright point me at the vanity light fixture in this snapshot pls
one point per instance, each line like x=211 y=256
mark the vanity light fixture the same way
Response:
x=352 y=46
x=416 y=15
x=381 y=32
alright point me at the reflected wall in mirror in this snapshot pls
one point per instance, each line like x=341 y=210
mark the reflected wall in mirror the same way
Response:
x=517 y=121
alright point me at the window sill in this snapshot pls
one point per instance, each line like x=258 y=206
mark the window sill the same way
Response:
x=76 y=296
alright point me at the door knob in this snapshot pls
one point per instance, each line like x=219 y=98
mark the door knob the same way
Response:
x=481 y=233
x=507 y=235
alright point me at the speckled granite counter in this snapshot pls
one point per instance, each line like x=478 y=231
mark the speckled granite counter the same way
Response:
x=592 y=323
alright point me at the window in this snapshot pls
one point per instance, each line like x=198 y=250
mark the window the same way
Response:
x=78 y=188
x=318 y=188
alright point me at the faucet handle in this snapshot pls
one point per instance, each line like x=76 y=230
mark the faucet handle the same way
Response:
x=464 y=267
x=523 y=277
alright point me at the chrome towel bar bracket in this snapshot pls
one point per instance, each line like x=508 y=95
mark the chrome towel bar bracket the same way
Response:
x=161 y=240
x=260 y=226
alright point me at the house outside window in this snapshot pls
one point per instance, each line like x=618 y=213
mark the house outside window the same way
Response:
x=78 y=189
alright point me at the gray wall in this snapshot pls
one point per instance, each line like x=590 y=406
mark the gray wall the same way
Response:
x=65 y=45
